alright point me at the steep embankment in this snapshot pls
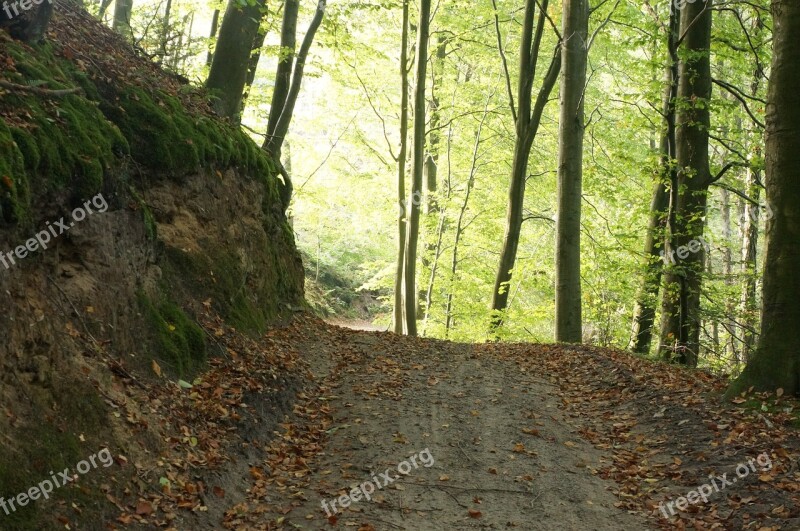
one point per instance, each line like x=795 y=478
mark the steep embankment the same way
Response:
x=160 y=213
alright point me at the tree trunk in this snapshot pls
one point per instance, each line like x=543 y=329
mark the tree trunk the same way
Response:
x=680 y=331
x=122 y=18
x=211 y=35
x=252 y=65
x=165 y=22
x=574 y=52
x=644 y=313
x=228 y=73
x=527 y=126
x=776 y=362
x=430 y=176
x=399 y=321
x=274 y=142
x=410 y=269
x=747 y=302
x=283 y=74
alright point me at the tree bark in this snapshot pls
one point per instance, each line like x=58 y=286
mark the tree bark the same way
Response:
x=228 y=73
x=527 y=126
x=414 y=202
x=574 y=55
x=680 y=311
x=399 y=320
x=122 y=18
x=644 y=313
x=212 y=33
x=776 y=362
x=274 y=142
x=283 y=74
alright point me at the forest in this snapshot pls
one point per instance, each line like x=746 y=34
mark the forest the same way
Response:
x=394 y=264
x=476 y=175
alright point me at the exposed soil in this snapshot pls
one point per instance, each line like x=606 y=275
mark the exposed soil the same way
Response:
x=509 y=436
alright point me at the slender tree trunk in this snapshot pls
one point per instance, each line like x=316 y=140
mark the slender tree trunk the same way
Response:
x=430 y=177
x=680 y=331
x=727 y=269
x=436 y=252
x=410 y=268
x=252 y=66
x=399 y=321
x=228 y=73
x=274 y=142
x=644 y=312
x=283 y=74
x=527 y=126
x=747 y=302
x=165 y=22
x=574 y=52
x=460 y=222
x=212 y=33
x=776 y=362
x=748 y=306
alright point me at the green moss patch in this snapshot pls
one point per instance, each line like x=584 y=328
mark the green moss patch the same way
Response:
x=179 y=340
x=69 y=143
x=54 y=444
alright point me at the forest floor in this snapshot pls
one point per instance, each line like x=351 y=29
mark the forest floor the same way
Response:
x=454 y=436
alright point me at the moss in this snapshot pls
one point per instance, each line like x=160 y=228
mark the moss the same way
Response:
x=71 y=142
x=180 y=341
x=14 y=189
x=58 y=446
x=222 y=277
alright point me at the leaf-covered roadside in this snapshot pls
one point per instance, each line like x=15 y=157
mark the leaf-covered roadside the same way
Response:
x=669 y=430
x=661 y=431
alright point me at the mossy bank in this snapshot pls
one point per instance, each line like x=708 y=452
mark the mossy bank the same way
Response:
x=195 y=225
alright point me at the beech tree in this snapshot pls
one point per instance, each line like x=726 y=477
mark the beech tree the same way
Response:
x=282 y=110
x=644 y=312
x=399 y=307
x=680 y=310
x=776 y=362
x=527 y=117
x=413 y=202
x=574 y=53
x=231 y=60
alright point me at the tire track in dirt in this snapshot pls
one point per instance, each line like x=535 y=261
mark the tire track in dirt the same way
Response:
x=504 y=455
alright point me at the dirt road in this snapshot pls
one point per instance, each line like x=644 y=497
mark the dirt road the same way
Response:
x=498 y=452
x=443 y=436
